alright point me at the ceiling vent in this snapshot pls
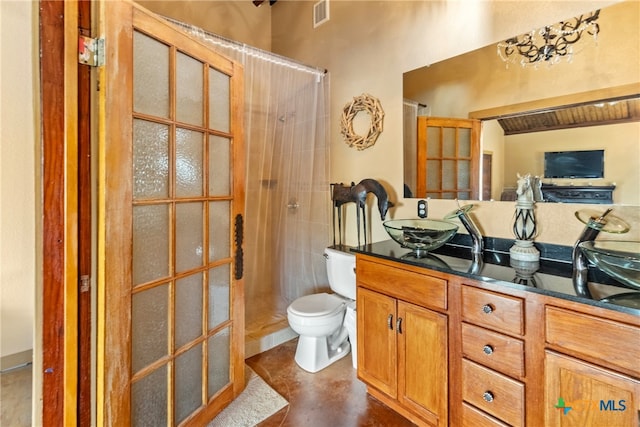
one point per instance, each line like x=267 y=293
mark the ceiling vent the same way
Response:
x=320 y=13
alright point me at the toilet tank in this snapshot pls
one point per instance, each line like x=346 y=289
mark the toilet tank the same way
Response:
x=341 y=270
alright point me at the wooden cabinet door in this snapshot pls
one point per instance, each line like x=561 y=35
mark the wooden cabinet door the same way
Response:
x=580 y=394
x=377 y=360
x=422 y=362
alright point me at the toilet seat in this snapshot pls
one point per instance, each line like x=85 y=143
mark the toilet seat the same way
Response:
x=317 y=305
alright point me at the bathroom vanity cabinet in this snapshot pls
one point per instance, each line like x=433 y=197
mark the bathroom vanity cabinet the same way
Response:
x=593 y=364
x=492 y=333
x=403 y=350
x=447 y=349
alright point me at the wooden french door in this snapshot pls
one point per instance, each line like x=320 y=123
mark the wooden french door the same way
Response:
x=448 y=160
x=171 y=202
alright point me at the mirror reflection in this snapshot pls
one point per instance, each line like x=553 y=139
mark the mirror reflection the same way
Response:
x=587 y=104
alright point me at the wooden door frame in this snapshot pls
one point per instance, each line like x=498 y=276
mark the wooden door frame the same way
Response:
x=53 y=194
x=85 y=224
x=66 y=209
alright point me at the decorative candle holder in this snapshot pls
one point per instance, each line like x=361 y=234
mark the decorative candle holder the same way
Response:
x=524 y=224
x=525 y=272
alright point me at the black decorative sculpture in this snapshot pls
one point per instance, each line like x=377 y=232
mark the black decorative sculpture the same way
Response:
x=357 y=193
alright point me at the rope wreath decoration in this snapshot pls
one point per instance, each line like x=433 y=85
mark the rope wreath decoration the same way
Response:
x=371 y=105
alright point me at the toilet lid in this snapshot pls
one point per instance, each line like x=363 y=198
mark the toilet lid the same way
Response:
x=317 y=305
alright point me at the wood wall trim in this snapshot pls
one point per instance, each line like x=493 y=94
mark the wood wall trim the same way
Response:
x=556 y=102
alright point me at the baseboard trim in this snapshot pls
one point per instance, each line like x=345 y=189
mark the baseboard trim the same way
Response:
x=255 y=346
x=15 y=360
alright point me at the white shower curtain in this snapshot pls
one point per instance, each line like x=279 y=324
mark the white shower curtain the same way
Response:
x=411 y=111
x=409 y=132
x=288 y=205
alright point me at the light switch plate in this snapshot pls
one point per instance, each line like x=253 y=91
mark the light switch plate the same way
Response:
x=422 y=208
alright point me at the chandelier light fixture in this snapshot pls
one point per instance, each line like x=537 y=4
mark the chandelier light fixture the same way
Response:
x=551 y=43
x=257 y=3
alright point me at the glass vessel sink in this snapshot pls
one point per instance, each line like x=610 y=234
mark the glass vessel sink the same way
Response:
x=420 y=235
x=620 y=259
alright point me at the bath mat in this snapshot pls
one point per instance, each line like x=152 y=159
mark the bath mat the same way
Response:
x=256 y=403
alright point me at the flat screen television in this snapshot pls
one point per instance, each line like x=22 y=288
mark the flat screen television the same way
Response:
x=574 y=164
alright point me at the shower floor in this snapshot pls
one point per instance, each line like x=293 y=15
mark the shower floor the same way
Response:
x=266 y=329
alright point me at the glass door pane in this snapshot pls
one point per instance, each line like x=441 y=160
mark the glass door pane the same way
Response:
x=150 y=76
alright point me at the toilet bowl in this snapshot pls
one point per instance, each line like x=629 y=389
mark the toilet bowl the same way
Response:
x=320 y=319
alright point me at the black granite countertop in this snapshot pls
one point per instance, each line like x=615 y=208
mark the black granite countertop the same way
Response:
x=550 y=276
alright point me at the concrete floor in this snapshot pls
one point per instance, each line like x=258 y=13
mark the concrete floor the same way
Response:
x=331 y=397
x=15 y=397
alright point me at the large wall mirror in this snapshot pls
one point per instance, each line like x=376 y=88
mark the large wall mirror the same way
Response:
x=589 y=104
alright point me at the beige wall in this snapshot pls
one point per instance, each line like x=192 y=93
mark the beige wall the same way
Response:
x=18 y=142
x=236 y=20
x=367 y=46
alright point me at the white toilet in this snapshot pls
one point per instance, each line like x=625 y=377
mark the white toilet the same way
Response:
x=321 y=320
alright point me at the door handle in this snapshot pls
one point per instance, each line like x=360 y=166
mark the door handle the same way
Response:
x=239 y=255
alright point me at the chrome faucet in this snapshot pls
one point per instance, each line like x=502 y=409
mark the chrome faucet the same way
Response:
x=477 y=243
x=579 y=260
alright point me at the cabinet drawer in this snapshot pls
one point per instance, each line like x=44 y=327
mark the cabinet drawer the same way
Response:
x=614 y=344
x=420 y=289
x=472 y=417
x=494 y=311
x=492 y=392
x=497 y=351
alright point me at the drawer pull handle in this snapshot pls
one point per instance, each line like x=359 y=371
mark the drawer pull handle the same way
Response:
x=390 y=321
x=399 y=325
x=487 y=396
x=487 y=308
x=488 y=350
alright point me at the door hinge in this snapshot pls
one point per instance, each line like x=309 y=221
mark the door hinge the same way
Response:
x=85 y=283
x=90 y=51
